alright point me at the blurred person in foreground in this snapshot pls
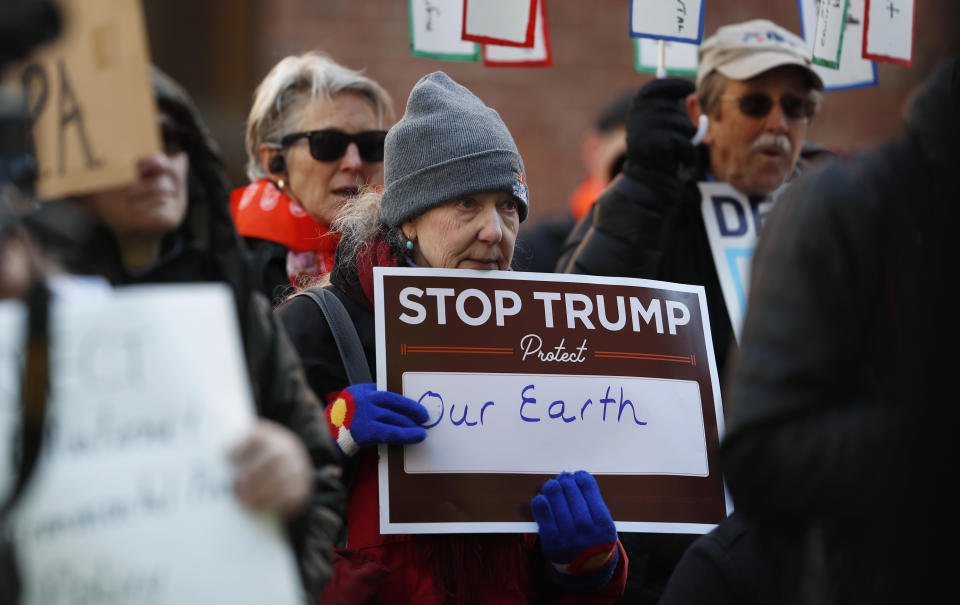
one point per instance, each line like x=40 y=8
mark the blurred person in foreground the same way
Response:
x=454 y=198
x=841 y=445
x=314 y=138
x=541 y=245
x=759 y=92
x=171 y=226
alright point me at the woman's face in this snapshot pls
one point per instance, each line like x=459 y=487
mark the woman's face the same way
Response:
x=322 y=187
x=474 y=232
x=156 y=203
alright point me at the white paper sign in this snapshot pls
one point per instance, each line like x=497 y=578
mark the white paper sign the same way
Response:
x=831 y=20
x=435 y=30
x=497 y=54
x=680 y=20
x=499 y=21
x=889 y=34
x=679 y=58
x=655 y=426
x=733 y=223
x=854 y=71
x=132 y=499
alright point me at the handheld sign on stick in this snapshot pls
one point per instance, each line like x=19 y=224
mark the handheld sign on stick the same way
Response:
x=435 y=29
x=504 y=22
x=828 y=41
x=679 y=59
x=679 y=20
x=853 y=70
x=539 y=55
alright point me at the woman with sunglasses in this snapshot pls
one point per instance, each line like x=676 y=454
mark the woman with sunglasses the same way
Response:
x=314 y=138
x=454 y=198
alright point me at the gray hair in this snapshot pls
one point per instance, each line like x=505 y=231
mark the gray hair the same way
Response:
x=709 y=92
x=293 y=82
x=358 y=222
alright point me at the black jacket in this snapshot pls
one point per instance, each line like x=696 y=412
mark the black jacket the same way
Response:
x=207 y=248
x=653 y=230
x=842 y=411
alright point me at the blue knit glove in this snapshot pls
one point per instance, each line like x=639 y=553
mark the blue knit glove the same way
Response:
x=577 y=533
x=360 y=415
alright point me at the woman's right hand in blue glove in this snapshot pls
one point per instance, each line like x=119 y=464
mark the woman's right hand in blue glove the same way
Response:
x=360 y=415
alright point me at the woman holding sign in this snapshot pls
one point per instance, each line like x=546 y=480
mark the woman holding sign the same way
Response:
x=314 y=138
x=454 y=197
x=172 y=226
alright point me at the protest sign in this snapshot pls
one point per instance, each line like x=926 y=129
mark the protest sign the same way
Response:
x=680 y=59
x=853 y=70
x=504 y=22
x=526 y=375
x=132 y=499
x=828 y=40
x=733 y=223
x=888 y=31
x=90 y=99
x=435 y=28
x=678 y=20
x=539 y=55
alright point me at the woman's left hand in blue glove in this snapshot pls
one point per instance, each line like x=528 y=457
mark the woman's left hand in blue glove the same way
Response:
x=577 y=533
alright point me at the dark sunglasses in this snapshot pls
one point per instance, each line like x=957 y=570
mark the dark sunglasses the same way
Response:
x=759 y=104
x=329 y=145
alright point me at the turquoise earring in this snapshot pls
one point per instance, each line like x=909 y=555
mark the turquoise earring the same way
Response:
x=409 y=245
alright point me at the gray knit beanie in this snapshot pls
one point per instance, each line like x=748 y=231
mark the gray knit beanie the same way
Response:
x=447 y=145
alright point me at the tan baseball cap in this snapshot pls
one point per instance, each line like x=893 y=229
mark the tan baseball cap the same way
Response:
x=744 y=50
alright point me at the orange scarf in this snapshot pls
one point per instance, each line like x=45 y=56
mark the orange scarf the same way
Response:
x=584 y=196
x=263 y=211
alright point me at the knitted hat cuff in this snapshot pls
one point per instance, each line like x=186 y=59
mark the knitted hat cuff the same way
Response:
x=432 y=186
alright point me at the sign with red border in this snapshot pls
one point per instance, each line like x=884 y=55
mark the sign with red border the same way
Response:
x=888 y=31
x=540 y=55
x=503 y=22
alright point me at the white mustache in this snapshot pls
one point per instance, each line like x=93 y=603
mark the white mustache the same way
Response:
x=767 y=140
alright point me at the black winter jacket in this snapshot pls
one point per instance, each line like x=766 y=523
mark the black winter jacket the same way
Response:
x=842 y=412
x=653 y=230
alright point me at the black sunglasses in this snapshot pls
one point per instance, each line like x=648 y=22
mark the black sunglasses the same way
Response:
x=330 y=144
x=759 y=104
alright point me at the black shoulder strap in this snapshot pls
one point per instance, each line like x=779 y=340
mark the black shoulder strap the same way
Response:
x=344 y=333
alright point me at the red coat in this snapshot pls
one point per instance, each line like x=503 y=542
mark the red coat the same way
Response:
x=395 y=569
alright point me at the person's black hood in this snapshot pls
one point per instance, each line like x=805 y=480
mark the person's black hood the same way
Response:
x=934 y=116
x=207 y=223
x=208 y=216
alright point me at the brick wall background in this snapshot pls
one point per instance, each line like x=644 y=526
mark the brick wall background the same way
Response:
x=220 y=49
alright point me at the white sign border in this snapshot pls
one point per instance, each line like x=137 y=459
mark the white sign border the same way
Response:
x=386 y=527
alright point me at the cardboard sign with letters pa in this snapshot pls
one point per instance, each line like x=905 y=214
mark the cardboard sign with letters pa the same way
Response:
x=526 y=375
x=132 y=498
x=90 y=99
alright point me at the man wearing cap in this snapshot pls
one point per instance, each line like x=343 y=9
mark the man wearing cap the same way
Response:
x=757 y=89
x=759 y=94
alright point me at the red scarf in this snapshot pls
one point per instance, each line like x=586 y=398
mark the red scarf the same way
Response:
x=263 y=211
x=377 y=253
